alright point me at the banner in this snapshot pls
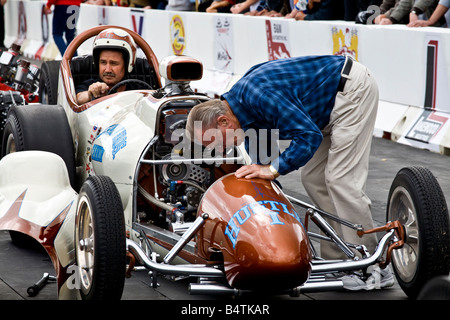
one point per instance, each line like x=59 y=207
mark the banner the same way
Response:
x=223 y=44
x=411 y=65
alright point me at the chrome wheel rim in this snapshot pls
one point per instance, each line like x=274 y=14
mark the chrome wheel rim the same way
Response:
x=44 y=95
x=85 y=244
x=405 y=259
x=10 y=144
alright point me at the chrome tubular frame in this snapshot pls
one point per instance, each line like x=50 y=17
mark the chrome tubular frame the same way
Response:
x=213 y=276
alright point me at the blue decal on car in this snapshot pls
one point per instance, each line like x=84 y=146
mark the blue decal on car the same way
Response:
x=257 y=208
x=118 y=135
x=97 y=153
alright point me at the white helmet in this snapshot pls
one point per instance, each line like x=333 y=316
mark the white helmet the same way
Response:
x=115 y=39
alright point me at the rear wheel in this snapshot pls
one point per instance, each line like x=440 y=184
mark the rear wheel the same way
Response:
x=8 y=99
x=40 y=127
x=48 y=82
x=100 y=240
x=417 y=201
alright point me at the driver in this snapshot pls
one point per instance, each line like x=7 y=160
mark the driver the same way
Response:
x=114 y=54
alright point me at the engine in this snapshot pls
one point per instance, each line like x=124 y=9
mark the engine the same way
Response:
x=17 y=74
x=170 y=190
x=185 y=183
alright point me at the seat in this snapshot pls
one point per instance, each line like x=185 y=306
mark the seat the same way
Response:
x=83 y=68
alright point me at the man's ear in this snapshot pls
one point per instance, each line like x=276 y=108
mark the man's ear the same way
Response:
x=223 y=121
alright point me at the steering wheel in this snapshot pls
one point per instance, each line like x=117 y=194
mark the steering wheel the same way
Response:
x=126 y=81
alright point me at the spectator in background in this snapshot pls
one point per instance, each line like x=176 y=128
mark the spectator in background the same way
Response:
x=116 y=3
x=148 y=4
x=180 y=5
x=158 y=4
x=65 y=17
x=222 y=6
x=2 y=24
x=145 y=4
x=404 y=11
x=321 y=10
x=245 y=6
x=99 y=2
x=272 y=8
x=385 y=8
x=425 y=7
x=437 y=16
x=303 y=7
x=353 y=7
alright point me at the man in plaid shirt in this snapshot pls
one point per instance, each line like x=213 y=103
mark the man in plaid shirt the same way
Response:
x=326 y=106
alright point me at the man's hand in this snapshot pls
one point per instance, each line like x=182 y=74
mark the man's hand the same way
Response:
x=95 y=90
x=255 y=171
x=300 y=16
x=419 y=23
x=413 y=17
x=291 y=15
x=98 y=89
x=385 y=21
x=237 y=8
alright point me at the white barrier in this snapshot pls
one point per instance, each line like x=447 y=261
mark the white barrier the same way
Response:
x=412 y=66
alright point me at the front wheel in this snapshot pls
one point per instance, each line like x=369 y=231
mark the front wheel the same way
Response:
x=100 y=240
x=417 y=201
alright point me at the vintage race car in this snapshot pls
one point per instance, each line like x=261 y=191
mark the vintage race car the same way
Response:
x=105 y=188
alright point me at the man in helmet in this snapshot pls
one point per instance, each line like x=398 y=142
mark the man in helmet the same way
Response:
x=114 y=55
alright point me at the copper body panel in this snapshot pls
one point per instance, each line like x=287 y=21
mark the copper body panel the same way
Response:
x=44 y=235
x=262 y=239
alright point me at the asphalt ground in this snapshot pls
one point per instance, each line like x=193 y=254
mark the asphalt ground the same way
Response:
x=22 y=267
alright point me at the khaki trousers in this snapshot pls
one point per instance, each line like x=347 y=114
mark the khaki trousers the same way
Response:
x=335 y=178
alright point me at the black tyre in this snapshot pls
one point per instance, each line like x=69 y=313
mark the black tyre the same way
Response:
x=48 y=82
x=416 y=199
x=40 y=127
x=8 y=99
x=436 y=289
x=100 y=240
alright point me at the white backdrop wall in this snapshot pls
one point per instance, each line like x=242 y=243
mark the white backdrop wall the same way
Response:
x=412 y=66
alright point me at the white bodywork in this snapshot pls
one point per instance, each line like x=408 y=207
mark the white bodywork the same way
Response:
x=43 y=177
x=41 y=182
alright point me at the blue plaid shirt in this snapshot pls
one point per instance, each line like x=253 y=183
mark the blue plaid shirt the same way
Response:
x=295 y=96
